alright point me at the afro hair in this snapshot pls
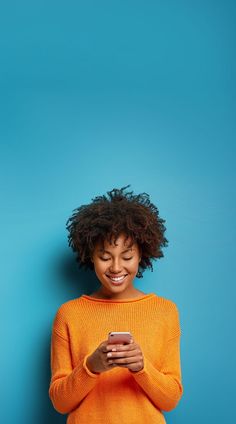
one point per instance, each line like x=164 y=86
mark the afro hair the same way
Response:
x=108 y=216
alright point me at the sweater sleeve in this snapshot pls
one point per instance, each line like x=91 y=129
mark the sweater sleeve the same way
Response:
x=68 y=386
x=164 y=386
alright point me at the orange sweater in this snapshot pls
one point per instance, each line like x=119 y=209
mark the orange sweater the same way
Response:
x=118 y=395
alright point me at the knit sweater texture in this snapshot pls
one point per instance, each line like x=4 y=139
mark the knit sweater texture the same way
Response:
x=117 y=396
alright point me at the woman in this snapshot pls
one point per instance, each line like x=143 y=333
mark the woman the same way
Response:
x=118 y=235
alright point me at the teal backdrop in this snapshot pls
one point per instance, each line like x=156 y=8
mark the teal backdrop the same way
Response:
x=97 y=95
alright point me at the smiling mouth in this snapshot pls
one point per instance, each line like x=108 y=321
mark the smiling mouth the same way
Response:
x=117 y=280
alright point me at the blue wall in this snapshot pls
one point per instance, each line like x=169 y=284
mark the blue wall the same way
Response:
x=97 y=95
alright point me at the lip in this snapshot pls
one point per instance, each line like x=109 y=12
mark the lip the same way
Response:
x=117 y=280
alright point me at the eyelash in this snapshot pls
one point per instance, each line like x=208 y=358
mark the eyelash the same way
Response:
x=125 y=259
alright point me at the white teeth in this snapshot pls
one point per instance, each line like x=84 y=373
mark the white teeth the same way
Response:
x=117 y=279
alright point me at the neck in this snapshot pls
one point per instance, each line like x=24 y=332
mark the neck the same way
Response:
x=101 y=294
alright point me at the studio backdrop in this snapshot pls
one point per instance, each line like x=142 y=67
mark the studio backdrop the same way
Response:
x=98 y=95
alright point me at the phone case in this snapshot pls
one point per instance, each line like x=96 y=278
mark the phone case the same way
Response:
x=119 y=337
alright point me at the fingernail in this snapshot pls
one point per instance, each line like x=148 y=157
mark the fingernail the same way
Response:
x=109 y=354
x=113 y=350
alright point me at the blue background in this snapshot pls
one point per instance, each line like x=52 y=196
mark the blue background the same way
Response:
x=97 y=95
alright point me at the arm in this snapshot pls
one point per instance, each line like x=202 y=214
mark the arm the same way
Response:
x=68 y=386
x=164 y=387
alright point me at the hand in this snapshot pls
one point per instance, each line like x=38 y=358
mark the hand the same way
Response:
x=128 y=356
x=98 y=361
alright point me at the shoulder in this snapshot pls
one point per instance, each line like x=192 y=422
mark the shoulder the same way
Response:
x=169 y=314
x=165 y=304
x=70 y=304
x=66 y=311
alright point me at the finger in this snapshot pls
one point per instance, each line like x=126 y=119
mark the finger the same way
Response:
x=123 y=354
x=103 y=346
x=111 y=365
x=114 y=347
x=123 y=348
x=134 y=366
x=137 y=366
x=125 y=361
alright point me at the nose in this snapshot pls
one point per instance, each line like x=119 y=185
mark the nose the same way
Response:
x=115 y=266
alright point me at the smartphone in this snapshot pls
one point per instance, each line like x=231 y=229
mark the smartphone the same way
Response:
x=119 y=337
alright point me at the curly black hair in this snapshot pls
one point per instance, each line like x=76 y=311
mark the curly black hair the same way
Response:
x=110 y=215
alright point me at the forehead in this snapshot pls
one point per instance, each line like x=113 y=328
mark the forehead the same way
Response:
x=121 y=242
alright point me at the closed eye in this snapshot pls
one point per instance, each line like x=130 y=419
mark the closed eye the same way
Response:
x=125 y=259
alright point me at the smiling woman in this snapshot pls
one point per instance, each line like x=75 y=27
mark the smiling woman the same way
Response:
x=118 y=236
x=116 y=266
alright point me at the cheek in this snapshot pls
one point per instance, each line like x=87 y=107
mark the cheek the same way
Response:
x=134 y=266
x=100 y=268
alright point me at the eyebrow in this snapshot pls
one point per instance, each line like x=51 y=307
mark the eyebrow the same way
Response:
x=107 y=251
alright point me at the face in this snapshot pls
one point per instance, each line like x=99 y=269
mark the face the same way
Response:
x=116 y=266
